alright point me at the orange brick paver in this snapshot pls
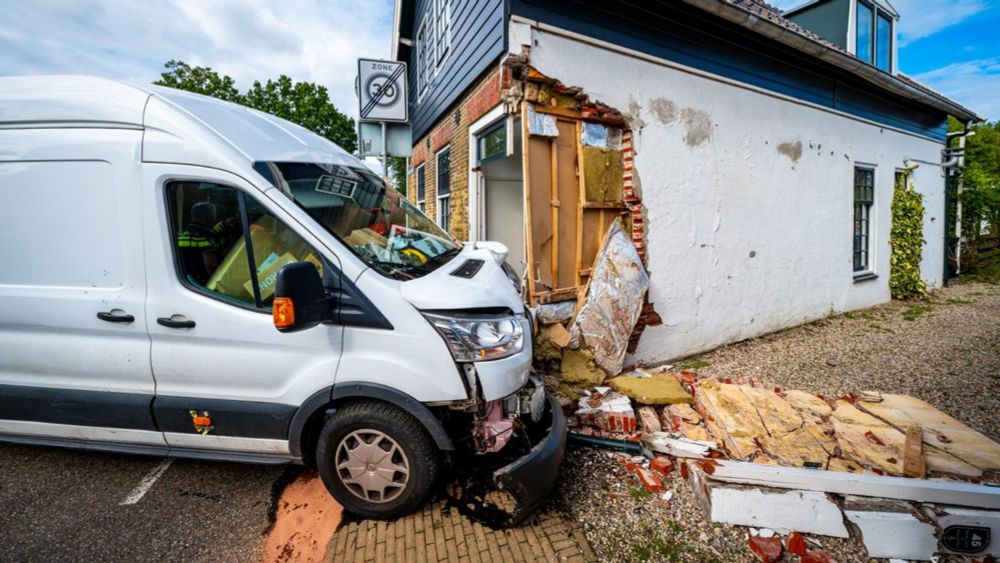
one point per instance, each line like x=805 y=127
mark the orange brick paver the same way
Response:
x=436 y=534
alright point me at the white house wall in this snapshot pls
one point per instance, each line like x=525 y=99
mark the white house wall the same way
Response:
x=749 y=197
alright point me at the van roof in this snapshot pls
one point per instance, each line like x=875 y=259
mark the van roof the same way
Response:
x=89 y=101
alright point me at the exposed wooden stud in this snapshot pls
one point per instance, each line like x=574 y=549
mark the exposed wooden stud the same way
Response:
x=581 y=201
x=564 y=294
x=525 y=173
x=914 y=464
x=604 y=205
x=554 y=193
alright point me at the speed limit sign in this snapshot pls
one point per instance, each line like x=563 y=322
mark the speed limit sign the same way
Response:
x=382 y=90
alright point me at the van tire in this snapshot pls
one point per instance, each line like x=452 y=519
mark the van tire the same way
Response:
x=407 y=441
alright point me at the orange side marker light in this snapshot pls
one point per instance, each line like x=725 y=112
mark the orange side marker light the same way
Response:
x=284 y=312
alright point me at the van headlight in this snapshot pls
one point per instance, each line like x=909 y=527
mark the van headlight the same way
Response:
x=479 y=338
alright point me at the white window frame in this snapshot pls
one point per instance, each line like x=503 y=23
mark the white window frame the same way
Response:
x=852 y=39
x=869 y=271
x=418 y=172
x=437 y=192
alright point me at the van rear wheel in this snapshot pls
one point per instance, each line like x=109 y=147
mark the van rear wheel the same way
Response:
x=376 y=460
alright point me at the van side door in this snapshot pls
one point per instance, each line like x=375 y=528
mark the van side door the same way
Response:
x=74 y=349
x=227 y=380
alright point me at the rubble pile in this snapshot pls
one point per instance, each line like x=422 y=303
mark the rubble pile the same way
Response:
x=717 y=431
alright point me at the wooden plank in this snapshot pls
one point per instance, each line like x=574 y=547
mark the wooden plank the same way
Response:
x=604 y=205
x=541 y=227
x=554 y=195
x=860 y=484
x=580 y=197
x=567 y=190
x=564 y=294
x=913 y=453
x=558 y=111
x=529 y=247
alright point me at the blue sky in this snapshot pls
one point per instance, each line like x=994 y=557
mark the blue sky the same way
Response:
x=952 y=46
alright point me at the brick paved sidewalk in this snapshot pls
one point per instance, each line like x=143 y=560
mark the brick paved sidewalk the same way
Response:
x=436 y=534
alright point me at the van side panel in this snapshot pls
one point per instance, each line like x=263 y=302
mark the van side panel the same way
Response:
x=70 y=249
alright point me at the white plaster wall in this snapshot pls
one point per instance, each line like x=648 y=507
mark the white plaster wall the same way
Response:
x=713 y=201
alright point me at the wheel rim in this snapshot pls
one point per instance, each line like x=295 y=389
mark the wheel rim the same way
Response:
x=372 y=466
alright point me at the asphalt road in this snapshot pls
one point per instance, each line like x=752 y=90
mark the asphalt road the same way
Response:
x=62 y=505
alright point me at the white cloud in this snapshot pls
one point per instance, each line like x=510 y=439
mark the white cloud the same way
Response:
x=972 y=83
x=313 y=40
x=920 y=18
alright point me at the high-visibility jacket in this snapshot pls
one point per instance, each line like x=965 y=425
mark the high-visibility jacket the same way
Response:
x=193 y=242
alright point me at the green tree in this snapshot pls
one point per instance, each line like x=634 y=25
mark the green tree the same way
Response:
x=200 y=80
x=397 y=171
x=304 y=103
x=980 y=182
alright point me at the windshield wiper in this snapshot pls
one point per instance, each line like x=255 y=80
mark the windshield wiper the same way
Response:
x=444 y=256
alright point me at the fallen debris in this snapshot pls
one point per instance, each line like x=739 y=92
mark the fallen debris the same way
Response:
x=578 y=368
x=657 y=389
x=889 y=528
x=674 y=445
x=611 y=412
x=650 y=421
x=783 y=511
x=767 y=550
x=614 y=301
x=662 y=464
x=557 y=334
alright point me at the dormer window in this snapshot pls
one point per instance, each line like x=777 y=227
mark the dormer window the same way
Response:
x=874 y=35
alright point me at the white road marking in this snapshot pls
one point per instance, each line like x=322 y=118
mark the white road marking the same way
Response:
x=147 y=483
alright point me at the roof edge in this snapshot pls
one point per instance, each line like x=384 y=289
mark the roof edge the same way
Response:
x=907 y=88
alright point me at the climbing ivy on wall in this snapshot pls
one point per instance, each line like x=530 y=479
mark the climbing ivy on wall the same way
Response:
x=906 y=240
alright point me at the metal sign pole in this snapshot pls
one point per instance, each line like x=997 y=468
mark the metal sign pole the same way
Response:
x=385 y=152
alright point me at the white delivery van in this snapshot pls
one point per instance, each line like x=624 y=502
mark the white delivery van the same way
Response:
x=186 y=277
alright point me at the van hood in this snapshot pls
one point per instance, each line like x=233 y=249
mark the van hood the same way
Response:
x=443 y=290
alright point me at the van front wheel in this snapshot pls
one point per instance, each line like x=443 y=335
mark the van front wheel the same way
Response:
x=376 y=460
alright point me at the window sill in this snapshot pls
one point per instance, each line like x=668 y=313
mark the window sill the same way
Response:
x=865 y=276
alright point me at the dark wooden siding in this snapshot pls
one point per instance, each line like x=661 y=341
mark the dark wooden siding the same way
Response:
x=678 y=32
x=478 y=38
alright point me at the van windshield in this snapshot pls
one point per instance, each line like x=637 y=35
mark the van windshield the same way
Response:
x=377 y=223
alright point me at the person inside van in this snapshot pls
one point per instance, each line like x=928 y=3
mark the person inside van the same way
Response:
x=201 y=242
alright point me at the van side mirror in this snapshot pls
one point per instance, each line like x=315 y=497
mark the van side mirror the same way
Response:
x=300 y=300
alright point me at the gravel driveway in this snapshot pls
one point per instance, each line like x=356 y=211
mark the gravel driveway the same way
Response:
x=945 y=351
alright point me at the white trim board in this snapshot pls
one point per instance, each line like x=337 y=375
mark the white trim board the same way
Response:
x=867 y=485
x=708 y=75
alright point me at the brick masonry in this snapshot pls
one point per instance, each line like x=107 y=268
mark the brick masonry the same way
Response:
x=452 y=131
x=434 y=534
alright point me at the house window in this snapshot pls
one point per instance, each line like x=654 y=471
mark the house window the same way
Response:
x=864 y=198
x=492 y=143
x=883 y=36
x=433 y=42
x=444 y=189
x=874 y=39
x=421 y=188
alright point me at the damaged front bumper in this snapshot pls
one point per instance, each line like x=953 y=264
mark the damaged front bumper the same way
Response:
x=531 y=478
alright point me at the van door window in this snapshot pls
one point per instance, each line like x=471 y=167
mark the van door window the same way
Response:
x=213 y=226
